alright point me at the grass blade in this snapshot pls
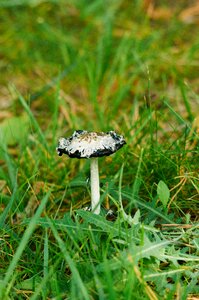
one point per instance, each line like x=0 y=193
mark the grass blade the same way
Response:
x=70 y=262
x=148 y=207
x=22 y=245
x=33 y=120
x=178 y=117
x=186 y=101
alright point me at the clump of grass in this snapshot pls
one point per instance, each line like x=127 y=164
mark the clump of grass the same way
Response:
x=99 y=67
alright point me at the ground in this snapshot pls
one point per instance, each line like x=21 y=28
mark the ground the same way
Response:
x=127 y=66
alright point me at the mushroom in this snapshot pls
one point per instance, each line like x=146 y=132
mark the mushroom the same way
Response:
x=85 y=144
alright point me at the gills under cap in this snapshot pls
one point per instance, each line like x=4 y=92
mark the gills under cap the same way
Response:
x=86 y=144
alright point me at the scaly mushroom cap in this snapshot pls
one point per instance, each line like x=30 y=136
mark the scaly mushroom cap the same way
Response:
x=85 y=144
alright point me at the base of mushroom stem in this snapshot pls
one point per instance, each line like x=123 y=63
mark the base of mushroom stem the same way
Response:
x=106 y=212
x=94 y=211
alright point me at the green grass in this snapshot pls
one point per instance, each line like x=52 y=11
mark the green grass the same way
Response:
x=99 y=65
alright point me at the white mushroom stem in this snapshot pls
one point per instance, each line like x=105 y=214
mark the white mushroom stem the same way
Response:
x=95 y=189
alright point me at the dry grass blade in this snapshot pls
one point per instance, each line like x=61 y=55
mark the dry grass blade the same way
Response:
x=151 y=294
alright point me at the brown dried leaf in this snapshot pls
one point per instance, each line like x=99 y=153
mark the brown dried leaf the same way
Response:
x=190 y=14
x=4 y=114
x=159 y=13
x=31 y=206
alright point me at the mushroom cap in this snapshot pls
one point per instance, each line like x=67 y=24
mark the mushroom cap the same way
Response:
x=85 y=144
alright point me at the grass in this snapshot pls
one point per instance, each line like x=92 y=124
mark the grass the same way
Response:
x=115 y=65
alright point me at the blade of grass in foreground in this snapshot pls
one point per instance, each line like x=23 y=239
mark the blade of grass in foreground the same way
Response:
x=76 y=276
x=45 y=281
x=21 y=247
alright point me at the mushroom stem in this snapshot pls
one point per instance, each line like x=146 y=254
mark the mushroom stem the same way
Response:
x=95 y=189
